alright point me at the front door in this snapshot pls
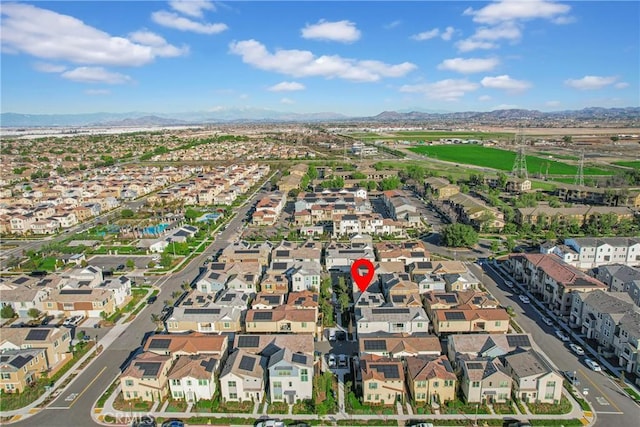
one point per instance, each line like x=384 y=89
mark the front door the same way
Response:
x=291 y=399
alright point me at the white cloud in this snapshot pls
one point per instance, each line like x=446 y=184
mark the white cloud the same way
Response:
x=552 y=103
x=431 y=34
x=339 y=31
x=192 y=7
x=96 y=92
x=426 y=35
x=505 y=82
x=175 y=21
x=50 y=35
x=158 y=44
x=621 y=85
x=468 y=45
x=445 y=90
x=287 y=101
x=504 y=107
x=484 y=98
x=468 y=66
x=591 y=82
x=447 y=33
x=302 y=63
x=95 y=75
x=286 y=87
x=392 y=24
x=510 y=10
x=45 y=67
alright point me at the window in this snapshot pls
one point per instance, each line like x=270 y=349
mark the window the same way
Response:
x=128 y=383
x=233 y=395
x=304 y=324
x=175 y=382
x=373 y=386
x=475 y=384
x=551 y=384
x=5 y=376
x=420 y=325
x=368 y=397
x=421 y=384
x=177 y=394
x=188 y=382
x=231 y=383
x=436 y=384
x=498 y=323
x=135 y=394
x=548 y=395
x=448 y=383
x=203 y=382
x=227 y=325
x=504 y=384
x=304 y=375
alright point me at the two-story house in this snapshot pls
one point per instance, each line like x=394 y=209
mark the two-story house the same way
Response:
x=243 y=377
x=290 y=376
x=193 y=377
x=146 y=377
x=431 y=379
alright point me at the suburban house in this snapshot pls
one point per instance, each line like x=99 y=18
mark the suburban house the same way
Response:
x=241 y=251
x=290 y=376
x=146 y=377
x=485 y=345
x=230 y=298
x=286 y=251
x=382 y=380
x=621 y=278
x=440 y=188
x=24 y=293
x=282 y=319
x=267 y=301
x=55 y=341
x=193 y=377
x=120 y=287
x=207 y=320
x=269 y=344
x=305 y=275
x=548 y=277
x=534 y=380
x=268 y=209
x=407 y=320
x=243 y=377
x=460 y=281
x=340 y=257
x=195 y=343
x=485 y=380
x=401 y=207
x=594 y=252
x=21 y=368
x=407 y=252
x=467 y=319
x=399 y=345
x=88 y=302
x=599 y=316
x=627 y=343
x=431 y=379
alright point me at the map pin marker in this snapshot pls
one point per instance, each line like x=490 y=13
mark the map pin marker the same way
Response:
x=362 y=281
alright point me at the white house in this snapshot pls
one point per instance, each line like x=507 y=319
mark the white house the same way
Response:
x=243 y=377
x=290 y=376
x=305 y=275
x=192 y=377
x=392 y=319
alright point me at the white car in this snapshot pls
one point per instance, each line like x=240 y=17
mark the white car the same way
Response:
x=331 y=360
x=508 y=283
x=563 y=337
x=576 y=349
x=547 y=321
x=524 y=299
x=593 y=365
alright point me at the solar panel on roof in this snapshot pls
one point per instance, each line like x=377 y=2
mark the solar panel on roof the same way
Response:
x=375 y=345
x=75 y=291
x=279 y=266
x=149 y=369
x=159 y=343
x=454 y=315
x=228 y=297
x=247 y=363
x=389 y=371
x=202 y=311
x=272 y=299
x=518 y=341
x=282 y=253
x=248 y=341
x=262 y=315
x=217 y=266
x=209 y=364
x=397 y=298
x=474 y=365
x=21 y=280
x=448 y=298
x=299 y=358
x=4 y=359
x=390 y=311
x=37 y=335
x=187 y=302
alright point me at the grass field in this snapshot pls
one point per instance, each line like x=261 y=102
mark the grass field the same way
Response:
x=433 y=136
x=557 y=156
x=496 y=158
x=633 y=164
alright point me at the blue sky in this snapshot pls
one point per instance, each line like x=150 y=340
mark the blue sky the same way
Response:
x=355 y=58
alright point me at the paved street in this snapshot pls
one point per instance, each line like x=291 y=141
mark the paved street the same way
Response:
x=612 y=407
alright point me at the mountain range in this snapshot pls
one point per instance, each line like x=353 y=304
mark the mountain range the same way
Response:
x=248 y=115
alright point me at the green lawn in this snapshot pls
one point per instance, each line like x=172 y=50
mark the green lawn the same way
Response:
x=632 y=164
x=433 y=135
x=499 y=159
x=546 y=186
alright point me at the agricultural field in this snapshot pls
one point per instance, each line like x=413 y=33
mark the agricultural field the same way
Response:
x=632 y=164
x=432 y=135
x=496 y=158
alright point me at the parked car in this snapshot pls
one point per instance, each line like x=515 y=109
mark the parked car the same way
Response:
x=421 y=425
x=576 y=349
x=563 y=337
x=570 y=375
x=546 y=321
x=120 y=267
x=524 y=299
x=331 y=359
x=173 y=423
x=145 y=421
x=593 y=365
x=73 y=321
x=342 y=361
x=341 y=335
x=269 y=423
x=508 y=283
x=332 y=335
x=152 y=299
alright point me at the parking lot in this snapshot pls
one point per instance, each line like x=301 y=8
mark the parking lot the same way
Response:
x=111 y=262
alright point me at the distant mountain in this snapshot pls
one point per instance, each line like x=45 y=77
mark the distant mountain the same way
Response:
x=248 y=115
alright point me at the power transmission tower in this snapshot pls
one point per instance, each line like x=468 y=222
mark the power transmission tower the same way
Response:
x=520 y=164
x=580 y=175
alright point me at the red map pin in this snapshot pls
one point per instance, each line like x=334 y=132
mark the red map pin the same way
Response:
x=362 y=281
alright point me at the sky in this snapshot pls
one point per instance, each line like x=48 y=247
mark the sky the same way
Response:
x=356 y=58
